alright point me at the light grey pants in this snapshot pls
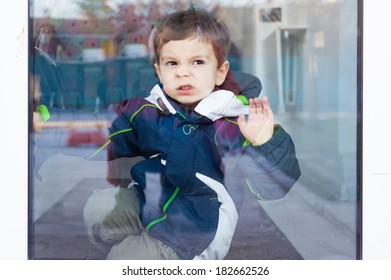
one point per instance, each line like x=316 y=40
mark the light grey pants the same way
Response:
x=112 y=218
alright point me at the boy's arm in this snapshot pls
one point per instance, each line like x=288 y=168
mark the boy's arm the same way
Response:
x=123 y=140
x=122 y=148
x=277 y=165
x=267 y=171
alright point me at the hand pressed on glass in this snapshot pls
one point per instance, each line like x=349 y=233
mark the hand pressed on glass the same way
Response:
x=258 y=128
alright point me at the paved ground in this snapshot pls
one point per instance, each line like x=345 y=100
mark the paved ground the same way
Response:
x=60 y=233
x=309 y=223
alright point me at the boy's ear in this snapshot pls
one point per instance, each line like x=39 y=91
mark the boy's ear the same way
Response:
x=157 y=69
x=222 y=73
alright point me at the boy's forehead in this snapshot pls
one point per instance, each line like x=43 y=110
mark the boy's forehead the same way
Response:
x=195 y=40
x=190 y=45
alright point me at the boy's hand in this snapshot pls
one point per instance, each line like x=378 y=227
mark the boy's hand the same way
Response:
x=258 y=128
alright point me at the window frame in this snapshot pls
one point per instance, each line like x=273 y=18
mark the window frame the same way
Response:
x=373 y=174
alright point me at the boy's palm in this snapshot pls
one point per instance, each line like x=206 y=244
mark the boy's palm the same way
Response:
x=258 y=128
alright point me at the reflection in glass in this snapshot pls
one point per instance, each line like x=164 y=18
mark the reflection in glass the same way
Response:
x=89 y=56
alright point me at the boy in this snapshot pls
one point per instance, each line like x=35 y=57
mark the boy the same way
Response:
x=201 y=153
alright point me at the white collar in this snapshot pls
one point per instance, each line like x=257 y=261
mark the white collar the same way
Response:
x=218 y=104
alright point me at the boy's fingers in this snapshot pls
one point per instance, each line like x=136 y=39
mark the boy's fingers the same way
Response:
x=252 y=107
x=266 y=104
x=265 y=101
x=258 y=104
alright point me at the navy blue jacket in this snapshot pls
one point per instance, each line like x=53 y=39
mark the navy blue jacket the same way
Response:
x=197 y=168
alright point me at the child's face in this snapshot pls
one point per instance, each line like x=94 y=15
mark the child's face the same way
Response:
x=188 y=70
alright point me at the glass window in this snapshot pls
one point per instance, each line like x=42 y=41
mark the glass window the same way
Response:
x=88 y=57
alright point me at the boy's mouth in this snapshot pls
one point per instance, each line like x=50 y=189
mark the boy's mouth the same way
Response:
x=185 y=89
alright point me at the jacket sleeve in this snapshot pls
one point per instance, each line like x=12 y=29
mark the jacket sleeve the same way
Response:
x=268 y=171
x=250 y=86
x=243 y=84
x=123 y=138
x=122 y=148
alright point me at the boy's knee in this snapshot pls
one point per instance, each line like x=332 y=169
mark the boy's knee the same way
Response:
x=98 y=205
x=112 y=214
x=141 y=247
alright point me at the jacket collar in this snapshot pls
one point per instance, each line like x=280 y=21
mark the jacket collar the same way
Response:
x=218 y=104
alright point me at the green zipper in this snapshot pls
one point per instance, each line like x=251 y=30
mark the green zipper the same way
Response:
x=154 y=222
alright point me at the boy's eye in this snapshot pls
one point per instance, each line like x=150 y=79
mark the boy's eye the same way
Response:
x=170 y=63
x=198 y=62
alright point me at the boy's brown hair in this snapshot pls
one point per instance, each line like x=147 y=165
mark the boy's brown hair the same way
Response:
x=187 y=24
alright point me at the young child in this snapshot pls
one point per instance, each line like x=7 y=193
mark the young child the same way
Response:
x=204 y=148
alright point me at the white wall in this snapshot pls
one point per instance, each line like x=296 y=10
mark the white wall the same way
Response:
x=377 y=132
x=13 y=140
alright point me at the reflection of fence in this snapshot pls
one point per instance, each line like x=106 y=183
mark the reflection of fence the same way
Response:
x=99 y=84
x=39 y=125
x=82 y=83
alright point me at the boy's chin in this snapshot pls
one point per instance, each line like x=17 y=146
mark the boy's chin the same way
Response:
x=188 y=101
x=189 y=106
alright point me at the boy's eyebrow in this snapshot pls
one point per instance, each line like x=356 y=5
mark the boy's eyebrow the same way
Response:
x=196 y=56
x=168 y=57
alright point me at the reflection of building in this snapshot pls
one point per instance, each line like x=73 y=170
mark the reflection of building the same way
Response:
x=294 y=44
x=308 y=66
x=305 y=53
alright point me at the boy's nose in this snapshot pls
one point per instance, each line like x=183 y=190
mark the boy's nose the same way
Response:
x=183 y=71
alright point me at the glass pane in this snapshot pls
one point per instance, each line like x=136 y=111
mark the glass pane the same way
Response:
x=89 y=57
